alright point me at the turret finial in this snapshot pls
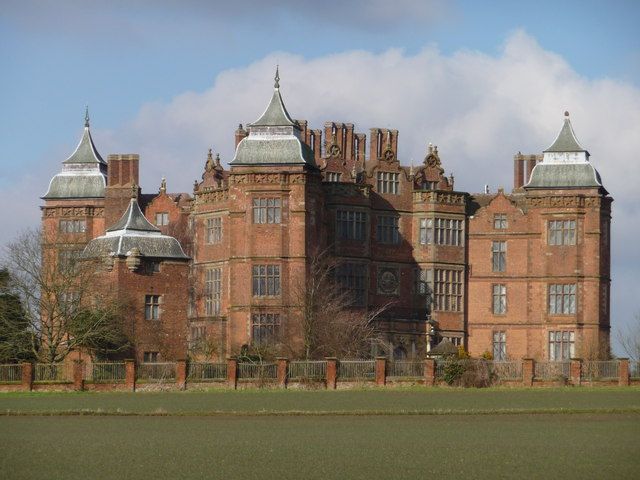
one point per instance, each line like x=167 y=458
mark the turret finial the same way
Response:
x=86 y=116
x=277 y=77
x=134 y=191
x=163 y=185
x=208 y=166
x=566 y=113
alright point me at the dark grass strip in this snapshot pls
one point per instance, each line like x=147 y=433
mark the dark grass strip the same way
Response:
x=319 y=413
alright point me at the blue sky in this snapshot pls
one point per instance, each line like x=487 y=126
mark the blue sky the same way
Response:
x=57 y=56
x=170 y=79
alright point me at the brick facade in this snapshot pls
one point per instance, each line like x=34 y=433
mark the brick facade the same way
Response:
x=415 y=243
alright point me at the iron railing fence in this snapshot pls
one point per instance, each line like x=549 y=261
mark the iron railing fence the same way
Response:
x=405 y=369
x=206 y=371
x=105 y=372
x=551 y=370
x=10 y=373
x=600 y=370
x=307 y=370
x=156 y=371
x=53 y=372
x=440 y=365
x=360 y=370
x=634 y=369
x=257 y=371
x=506 y=370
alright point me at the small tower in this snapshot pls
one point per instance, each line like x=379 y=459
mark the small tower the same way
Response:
x=568 y=203
x=274 y=139
x=148 y=272
x=73 y=212
x=565 y=164
x=84 y=173
x=274 y=192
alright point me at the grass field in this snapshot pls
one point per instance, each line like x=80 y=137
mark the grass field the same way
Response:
x=365 y=401
x=368 y=434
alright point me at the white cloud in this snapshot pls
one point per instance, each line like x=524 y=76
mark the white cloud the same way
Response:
x=479 y=109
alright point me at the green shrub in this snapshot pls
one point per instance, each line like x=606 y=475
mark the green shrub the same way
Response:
x=453 y=371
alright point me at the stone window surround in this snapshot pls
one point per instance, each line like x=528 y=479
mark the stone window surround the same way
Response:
x=152 y=307
x=213 y=230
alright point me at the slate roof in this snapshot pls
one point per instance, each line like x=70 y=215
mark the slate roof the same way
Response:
x=86 y=151
x=133 y=230
x=274 y=138
x=133 y=220
x=273 y=151
x=276 y=114
x=574 y=172
x=570 y=175
x=86 y=185
x=566 y=140
x=84 y=173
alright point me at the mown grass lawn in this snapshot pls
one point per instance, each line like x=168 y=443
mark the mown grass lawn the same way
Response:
x=581 y=446
x=387 y=401
x=356 y=434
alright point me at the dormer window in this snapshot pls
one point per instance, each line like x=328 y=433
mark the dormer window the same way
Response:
x=429 y=185
x=333 y=176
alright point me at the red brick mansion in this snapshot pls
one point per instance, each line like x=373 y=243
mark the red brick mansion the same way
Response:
x=519 y=274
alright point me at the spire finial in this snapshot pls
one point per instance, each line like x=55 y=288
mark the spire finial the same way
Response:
x=86 y=116
x=163 y=185
x=566 y=113
x=134 y=191
x=208 y=166
x=277 y=77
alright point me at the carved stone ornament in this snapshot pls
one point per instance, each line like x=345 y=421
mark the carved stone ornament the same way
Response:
x=334 y=150
x=266 y=178
x=563 y=201
x=432 y=161
x=212 y=196
x=439 y=197
x=297 y=178
x=208 y=166
x=388 y=281
x=239 y=179
x=388 y=155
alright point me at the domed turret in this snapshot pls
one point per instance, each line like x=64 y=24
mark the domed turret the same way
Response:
x=84 y=173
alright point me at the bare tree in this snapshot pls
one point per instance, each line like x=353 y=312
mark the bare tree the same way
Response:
x=629 y=338
x=331 y=324
x=64 y=305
